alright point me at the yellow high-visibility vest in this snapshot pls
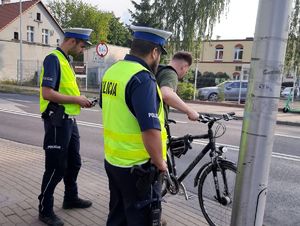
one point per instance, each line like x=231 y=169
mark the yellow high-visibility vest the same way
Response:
x=67 y=85
x=123 y=144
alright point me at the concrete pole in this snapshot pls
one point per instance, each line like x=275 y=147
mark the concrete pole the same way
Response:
x=260 y=113
x=21 y=50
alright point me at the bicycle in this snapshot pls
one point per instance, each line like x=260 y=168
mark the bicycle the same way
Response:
x=215 y=179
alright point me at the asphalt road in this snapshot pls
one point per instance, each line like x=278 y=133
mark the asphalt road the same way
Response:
x=20 y=121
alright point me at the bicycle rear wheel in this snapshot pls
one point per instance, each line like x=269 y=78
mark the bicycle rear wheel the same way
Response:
x=217 y=211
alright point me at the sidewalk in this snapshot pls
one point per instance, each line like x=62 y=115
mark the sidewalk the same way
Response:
x=21 y=168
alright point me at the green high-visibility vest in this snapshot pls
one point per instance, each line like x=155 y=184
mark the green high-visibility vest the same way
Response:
x=123 y=144
x=67 y=85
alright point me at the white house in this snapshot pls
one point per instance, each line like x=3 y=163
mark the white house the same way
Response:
x=40 y=34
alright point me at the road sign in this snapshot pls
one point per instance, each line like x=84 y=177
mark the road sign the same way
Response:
x=102 y=49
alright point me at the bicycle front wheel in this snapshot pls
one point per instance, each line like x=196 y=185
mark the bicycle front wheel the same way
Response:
x=216 y=201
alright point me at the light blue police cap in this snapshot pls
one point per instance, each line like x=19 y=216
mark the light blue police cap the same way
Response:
x=153 y=35
x=79 y=33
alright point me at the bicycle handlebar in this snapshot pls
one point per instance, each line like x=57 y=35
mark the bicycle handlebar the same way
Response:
x=205 y=118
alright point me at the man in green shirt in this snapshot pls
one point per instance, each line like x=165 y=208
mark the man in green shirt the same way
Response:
x=167 y=79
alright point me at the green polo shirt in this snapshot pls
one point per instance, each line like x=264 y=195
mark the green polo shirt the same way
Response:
x=167 y=77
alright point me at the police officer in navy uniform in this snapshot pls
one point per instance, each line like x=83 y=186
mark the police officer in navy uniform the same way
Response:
x=134 y=133
x=60 y=103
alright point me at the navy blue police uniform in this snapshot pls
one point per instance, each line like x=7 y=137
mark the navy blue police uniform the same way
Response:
x=61 y=142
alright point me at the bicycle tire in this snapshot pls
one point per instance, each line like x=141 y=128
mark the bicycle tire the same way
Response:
x=214 y=212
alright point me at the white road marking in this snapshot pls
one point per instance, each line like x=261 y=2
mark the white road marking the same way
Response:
x=288 y=136
x=96 y=125
x=90 y=109
x=22 y=101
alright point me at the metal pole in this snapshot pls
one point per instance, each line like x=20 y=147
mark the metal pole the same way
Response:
x=196 y=71
x=196 y=75
x=294 y=84
x=21 y=50
x=260 y=113
x=240 y=90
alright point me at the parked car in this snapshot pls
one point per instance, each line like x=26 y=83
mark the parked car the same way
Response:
x=287 y=90
x=231 y=91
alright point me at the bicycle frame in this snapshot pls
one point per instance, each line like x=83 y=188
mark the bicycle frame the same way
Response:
x=210 y=146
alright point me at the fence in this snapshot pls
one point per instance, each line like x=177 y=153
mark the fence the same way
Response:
x=87 y=80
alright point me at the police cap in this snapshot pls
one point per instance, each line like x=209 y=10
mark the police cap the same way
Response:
x=79 y=33
x=153 y=35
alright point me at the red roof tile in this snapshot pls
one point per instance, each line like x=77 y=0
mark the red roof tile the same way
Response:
x=11 y=11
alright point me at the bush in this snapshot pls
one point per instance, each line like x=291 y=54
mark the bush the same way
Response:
x=211 y=79
x=185 y=90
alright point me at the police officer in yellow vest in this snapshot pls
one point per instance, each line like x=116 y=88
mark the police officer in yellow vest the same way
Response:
x=60 y=103
x=134 y=133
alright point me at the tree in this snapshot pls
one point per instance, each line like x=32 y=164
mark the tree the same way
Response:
x=76 y=13
x=189 y=20
x=144 y=14
x=118 y=33
x=292 y=58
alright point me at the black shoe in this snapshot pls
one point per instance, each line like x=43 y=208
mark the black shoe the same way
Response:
x=76 y=203
x=51 y=220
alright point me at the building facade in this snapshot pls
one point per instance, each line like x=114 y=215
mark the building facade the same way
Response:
x=40 y=34
x=226 y=56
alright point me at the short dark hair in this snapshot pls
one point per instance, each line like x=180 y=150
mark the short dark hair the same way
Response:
x=183 y=55
x=142 y=48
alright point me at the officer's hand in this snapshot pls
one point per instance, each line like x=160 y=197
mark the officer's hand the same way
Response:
x=84 y=102
x=161 y=166
x=193 y=115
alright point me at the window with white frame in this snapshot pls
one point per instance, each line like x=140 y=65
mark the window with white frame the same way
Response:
x=45 y=36
x=219 y=52
x=30 y=33
x=238 y=52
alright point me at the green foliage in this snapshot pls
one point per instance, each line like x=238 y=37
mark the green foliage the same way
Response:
x=76 y=13
x=185 y=90
x=144 y=14
x=188 y=20
x=189 y=77
x=292 y=57
x=118 y=33
x=211 y=79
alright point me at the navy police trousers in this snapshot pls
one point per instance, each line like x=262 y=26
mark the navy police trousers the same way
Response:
x=61 y=145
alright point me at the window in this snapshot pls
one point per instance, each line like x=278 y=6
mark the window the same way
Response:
x=238 y=52
x=238 y=68
x=30 y=33
x=16 y=35
x=45 y=36
x=235 y=85
x=38 y=17
x=219 y=52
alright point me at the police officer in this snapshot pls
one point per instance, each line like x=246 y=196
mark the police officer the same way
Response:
x=60 y=103
x=134 y=133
